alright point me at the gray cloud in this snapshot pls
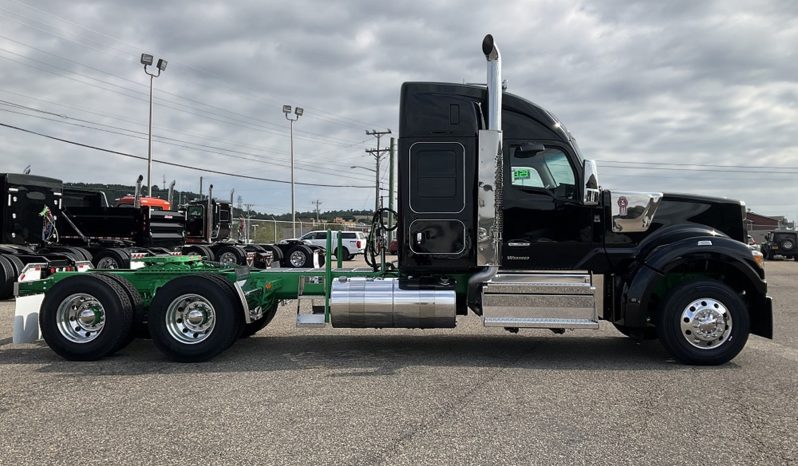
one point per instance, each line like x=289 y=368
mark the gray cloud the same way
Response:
x=664 y=82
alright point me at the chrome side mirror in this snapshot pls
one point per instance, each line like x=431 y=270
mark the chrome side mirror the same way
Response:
x=592 y=193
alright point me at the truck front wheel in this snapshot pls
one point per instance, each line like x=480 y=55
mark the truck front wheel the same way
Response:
x=703 y=322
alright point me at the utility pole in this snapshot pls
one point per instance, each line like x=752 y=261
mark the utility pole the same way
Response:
x=377 y=154
x=200 y=191
x=317 y=202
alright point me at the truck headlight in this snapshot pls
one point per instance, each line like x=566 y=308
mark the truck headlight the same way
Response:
x=759 y=259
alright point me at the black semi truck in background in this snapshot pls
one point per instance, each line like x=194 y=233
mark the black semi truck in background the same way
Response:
x=42 y=220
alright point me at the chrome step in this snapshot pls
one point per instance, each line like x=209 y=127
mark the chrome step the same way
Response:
x=316 y=316
x=310 y=320
x=540 y=300
x=539 y=322
x=541 y=283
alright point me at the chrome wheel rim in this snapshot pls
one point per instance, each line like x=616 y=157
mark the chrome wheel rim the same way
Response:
x=190 y=319
x=228 y=258
x=706 y=323
x=107 y=263
x=787 y=244
x=297 y=259
x=81 y=318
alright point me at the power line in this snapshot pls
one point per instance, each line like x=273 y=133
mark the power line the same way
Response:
x=253 y=123
x=757 y=167
x=173 y=164
x=317 y=113
x=772 y=170
x=264 y=149
x=305 y=166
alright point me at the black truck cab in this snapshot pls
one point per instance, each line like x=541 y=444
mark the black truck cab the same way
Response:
x=556 y=224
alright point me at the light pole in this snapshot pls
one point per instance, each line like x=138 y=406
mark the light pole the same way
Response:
x=298 y=111
x=146 y=60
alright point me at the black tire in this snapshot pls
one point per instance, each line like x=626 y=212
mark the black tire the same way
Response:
x=111 y=258
x=115 y=332
x=344 y=253
x=299 y=256
x=72 y=253
x=17 y=263
x=7 y=278
x=86 y=254
x=646 y=333
x=233 y=255
x=15 y=249
x=787 y=245
x=139 y=329
x=700 y=294
x=256 y=326
x=238 y=309
x=202 y=250
x=227 y=323
x=277 y=253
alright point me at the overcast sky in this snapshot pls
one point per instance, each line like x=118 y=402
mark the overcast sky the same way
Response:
x=670 y=89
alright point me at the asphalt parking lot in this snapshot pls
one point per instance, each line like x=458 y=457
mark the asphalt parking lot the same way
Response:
x=465 y=396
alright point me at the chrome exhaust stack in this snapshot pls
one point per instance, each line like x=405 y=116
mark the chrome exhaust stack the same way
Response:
x=209 y=216
x=490 y=180
x=137 y=193
x=170 y=196
x=494 y=81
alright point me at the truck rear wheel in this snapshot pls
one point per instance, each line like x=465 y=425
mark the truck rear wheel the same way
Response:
x=85 y=252
x=111 y=258
x=7 y=278
x=300 y=256
x=140 y=329
x=231 y=255
x=86 y=317
x=194 y=318
x=703 y=322
x=343 y=253
x=202 y=250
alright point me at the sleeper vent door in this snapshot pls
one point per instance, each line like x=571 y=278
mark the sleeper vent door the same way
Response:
x=437 y=198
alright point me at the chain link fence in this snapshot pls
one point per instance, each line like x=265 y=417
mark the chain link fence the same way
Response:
x=272 y=231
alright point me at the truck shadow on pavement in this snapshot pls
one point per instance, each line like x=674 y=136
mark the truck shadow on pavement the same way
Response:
x=373 y=355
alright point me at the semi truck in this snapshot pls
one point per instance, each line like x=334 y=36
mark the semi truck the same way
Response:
x=499 y=216
x=208 y=233
x=41 y=220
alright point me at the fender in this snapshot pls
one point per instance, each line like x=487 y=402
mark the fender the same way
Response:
x=719 y=249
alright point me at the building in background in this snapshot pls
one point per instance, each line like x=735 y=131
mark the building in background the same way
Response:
x=759 y=225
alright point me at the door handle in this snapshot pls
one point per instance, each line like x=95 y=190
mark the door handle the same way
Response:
x=518 y=244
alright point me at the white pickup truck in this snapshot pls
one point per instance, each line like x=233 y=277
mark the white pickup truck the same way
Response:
x=353 y=242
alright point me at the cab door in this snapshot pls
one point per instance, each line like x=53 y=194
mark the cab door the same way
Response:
x=546 y=227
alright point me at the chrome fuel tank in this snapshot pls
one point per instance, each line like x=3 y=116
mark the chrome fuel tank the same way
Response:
x=380 y=303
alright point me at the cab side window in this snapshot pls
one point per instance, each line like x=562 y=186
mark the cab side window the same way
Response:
x=546 y=169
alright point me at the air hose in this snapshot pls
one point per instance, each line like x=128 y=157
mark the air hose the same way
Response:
x=375 y=241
